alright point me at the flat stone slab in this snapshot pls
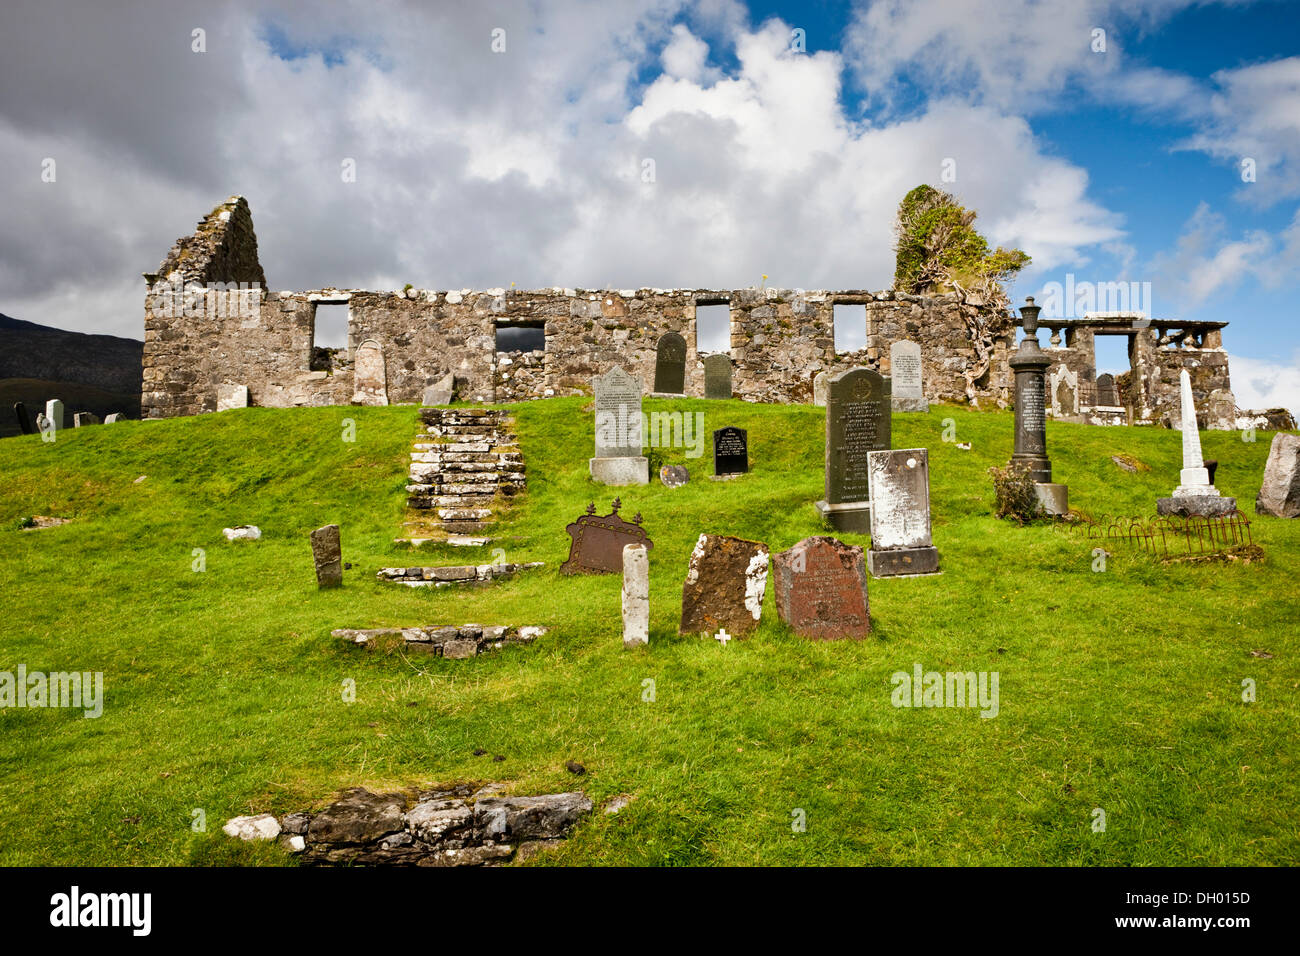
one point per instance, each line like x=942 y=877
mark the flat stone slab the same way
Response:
x=453 y=574
x=442 y=640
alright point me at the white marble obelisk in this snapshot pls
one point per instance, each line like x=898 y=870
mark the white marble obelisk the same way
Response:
x=1194 y=479
x=1194 y=496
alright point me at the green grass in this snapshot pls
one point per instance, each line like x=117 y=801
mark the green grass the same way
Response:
x=1119 y=690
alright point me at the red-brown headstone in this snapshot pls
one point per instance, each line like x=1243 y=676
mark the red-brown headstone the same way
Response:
x=821 y=590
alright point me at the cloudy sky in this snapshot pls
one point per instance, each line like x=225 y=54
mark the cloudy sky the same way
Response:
x=660 y=143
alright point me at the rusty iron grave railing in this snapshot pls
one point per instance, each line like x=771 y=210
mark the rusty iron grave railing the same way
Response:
x=1174 y=537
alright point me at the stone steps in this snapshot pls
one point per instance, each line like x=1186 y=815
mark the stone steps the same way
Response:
x=463 y=465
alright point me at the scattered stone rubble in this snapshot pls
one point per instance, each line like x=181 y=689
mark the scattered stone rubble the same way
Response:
x=467 y=640
x=461 y=826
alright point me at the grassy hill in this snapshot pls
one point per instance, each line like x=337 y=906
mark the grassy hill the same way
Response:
x=1120 y=690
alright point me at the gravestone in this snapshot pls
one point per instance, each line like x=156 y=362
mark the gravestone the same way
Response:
x=82 y=419
x=54 y=414
x=1279 y=495
x=1195 y=494
x=114 y=417
x=636 y=595
x=440 y=392
x=1106 y=390
x=900 y=513
x=618 y=459
x=369 y=375
x=1029 y=363
x=857 y=422
x=670 y=364
x=20 y=413
x=1063 y=386
x=819 y=389
x=730 y=451
x=717 y=376
x=724 y=586
x=597 y=541
x=231 y=396
x=327 y=552
x=674 y=476
x=821 y=589
x=905 y=373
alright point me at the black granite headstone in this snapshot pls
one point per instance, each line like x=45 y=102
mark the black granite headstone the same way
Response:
x=670 y=364
x=730 y=451
x=858 y=420
x=20 y=413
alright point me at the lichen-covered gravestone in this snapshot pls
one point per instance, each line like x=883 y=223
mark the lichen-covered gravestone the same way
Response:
x=717 y=376
x=821 y=589
x=636 y=595
x=724 y=586
x=905 y=372
x=900 y=514
x=1279 y=495
x=857 y=422
x=670 y=364
x=327 y=552
x=819 y=389
x=618 y=459
x=370 y=375
x=231 y=396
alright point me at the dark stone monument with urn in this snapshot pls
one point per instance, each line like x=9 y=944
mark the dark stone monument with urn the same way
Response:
x=1030 y=365
x=858 y=408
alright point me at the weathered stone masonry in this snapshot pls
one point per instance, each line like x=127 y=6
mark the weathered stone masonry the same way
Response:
x=780 y=338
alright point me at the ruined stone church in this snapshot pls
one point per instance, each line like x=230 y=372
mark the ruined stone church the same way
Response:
x=213 y=328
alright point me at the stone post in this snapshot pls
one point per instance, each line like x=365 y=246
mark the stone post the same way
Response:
x=1030 y=365
x=327 y=552
x=636 y=595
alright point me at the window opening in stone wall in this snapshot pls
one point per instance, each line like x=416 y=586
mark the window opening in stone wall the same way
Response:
x=712 y=329
x=850 y=323
x=521 y=337
x=329 y=336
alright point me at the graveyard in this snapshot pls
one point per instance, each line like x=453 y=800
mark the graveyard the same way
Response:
x=1120 y=680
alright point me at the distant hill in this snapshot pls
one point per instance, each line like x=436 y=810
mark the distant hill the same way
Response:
x=90 y=373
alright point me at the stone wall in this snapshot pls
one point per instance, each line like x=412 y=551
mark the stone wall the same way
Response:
x=780 y=339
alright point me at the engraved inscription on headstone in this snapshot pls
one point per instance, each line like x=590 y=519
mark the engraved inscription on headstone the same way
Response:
x=905 y=366
x=730 y=451
x=821 y=589
x=670 y=364
x=858 y=409
x=857 y=422
x=900 y=513
x=618 y=415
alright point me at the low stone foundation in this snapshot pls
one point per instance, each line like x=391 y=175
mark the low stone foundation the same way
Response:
x=467 y=640
x=462 y=826
x=455 y=574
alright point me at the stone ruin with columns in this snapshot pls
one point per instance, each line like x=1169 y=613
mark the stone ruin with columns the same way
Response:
x=213 y=328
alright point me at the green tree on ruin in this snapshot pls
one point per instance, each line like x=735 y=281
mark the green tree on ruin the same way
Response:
x=937 y=250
